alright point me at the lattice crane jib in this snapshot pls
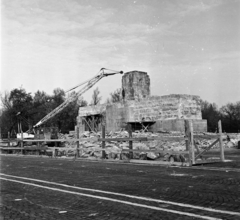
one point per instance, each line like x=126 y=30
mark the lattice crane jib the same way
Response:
x=89 y=84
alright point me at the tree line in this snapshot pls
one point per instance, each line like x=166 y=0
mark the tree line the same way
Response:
x=229 y=114
x=19 y=105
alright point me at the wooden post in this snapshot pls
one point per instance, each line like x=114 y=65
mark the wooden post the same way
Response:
x=54 y=152
x=92 y=123
x=38 y=137
x=103 y=142
x=21 y=138
x=130 y=142
x=77 y=135
x=220 y=141
x=19 y=127
x=8 y=142
x=186 y=134
x=190 y=141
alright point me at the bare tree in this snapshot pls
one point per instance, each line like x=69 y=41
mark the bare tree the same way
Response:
x=95 y=97
x=5 y=100
x=116 y=96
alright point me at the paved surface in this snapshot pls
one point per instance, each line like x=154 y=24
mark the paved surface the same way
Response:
x=45 y=188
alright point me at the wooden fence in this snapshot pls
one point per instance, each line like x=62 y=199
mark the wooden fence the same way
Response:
x=192 y=151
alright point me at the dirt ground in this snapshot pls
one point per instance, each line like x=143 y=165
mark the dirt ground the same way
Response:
x=34 y=187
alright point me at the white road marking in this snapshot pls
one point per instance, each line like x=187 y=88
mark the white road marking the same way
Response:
x=115 y=200
x=129 y=196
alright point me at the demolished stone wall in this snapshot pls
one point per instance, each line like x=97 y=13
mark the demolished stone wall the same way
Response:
x=135 y=85
x=164 y=107
x=115 y=117
x=164 y=112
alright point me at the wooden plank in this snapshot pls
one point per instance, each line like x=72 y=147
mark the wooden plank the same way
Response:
x=207 y=149
x=188 y=142
x=103 y=142
x=88 y=124
x=77 y=150
x=192 y=142
x=11 y=140
x=21 y=137
x=167 y=138
x=156 y=151
x=186 y=126
x=61 y=140
x=130 y=142
x=159 y=162
x=38 y=133
x=207 y=137
x=8 y=138
x=220 y=141
x=208 y=161
x=10 y=148
x=63 y=148
x=122 y=139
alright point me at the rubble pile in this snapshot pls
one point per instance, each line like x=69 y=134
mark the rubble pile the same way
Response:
x=91 y=147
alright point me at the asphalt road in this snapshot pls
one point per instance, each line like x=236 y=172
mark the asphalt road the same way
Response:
x=47 y=188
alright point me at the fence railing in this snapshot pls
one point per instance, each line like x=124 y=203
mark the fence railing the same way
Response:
x=190 y=151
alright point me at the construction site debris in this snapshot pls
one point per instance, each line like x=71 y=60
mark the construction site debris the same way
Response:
x=91 y=147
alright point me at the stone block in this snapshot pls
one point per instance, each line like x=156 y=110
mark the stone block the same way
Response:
x=178 y=125
x=135 y=85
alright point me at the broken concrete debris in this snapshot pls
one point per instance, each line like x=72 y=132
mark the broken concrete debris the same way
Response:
x=160 y=119
x=90 y=146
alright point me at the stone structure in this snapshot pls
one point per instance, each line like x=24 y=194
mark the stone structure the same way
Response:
x=138 y=107
x=135 y=85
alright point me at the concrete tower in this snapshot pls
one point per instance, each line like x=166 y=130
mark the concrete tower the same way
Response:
x=135 y=85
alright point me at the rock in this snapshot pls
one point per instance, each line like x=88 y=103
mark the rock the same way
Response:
x=86 y=134
x=143 y=156
x=152 y=155
x=113 y=149
x=97 y=154
x=112 y=155
x=125 y=156
x=230 y=144
x=124 y=145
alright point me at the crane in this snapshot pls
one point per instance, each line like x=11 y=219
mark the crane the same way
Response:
x=89 y=83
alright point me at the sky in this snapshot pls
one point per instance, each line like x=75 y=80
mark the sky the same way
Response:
x=186 y=46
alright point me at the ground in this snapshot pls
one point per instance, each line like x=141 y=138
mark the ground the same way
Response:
x=34 y=187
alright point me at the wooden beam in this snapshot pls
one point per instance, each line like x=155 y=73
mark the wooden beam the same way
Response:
x=208 y=148
x=77 y=136
x=89 y=126
x=157 y=151
x=220 y=141
x=123 y=139
x=190 y=141
x=21 y=138
x=103 y=142
x=208 y=137
x=130 y=141
x=60 y=140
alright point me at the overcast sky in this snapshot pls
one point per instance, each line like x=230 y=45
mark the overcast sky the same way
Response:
x=186 y=46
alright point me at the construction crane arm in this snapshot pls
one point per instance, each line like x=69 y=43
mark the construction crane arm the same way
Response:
x=73 y=97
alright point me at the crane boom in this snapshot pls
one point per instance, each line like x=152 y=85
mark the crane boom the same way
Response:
x=73 y=97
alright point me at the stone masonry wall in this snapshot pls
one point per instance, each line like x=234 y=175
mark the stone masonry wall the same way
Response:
x=167 y=111
x=163 y=108
x=135 y=85
x=115 y=117
x=92 y=110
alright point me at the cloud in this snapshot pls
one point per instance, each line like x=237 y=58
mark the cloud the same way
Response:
x=65 y=40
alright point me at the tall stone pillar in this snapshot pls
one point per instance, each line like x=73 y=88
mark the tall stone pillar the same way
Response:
x=135 y=85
